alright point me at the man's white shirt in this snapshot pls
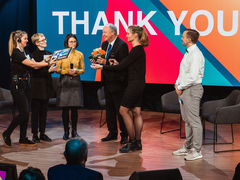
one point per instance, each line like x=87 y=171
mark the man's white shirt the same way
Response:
x=191 y=68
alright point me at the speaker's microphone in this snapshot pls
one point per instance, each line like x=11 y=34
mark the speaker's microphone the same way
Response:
x=71 y=67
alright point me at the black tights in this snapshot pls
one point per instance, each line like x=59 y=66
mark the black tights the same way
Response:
x=22 y=98
x=74 y=117
x=134 y=122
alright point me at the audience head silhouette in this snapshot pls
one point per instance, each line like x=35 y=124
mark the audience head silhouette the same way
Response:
x=76 y=151
x=31 y=174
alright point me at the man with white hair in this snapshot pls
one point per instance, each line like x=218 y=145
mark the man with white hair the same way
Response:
x=114 y=82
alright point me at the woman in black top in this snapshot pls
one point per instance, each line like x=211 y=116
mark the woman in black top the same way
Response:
x=135 y=62
x=42 y=89
x=21 y=62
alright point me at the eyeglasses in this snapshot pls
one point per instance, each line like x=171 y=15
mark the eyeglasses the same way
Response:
x=72 y=42
x=43 y=40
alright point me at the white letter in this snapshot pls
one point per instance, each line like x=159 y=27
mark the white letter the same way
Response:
x=84 y=22
x=210 y=21
x=60 y=19
x=234 y=24
x=118 y=17
x=101 y=15
x=142 y=22
x=177 y=23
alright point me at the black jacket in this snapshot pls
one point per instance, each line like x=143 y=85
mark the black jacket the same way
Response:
x=115 y=81
x=77 y=172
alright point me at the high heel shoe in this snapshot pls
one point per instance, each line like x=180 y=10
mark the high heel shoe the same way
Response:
x=138 y=144
x=130 y=146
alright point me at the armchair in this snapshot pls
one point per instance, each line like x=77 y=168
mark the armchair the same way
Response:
x=6 y=100
x=102 y=102
x=224 y=111
x=170 y=104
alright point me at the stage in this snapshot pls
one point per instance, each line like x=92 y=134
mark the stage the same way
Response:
x=105 y=157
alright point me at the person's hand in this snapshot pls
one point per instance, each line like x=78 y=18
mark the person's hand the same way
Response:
x=33 y=60
x=53 y=68
x=179 y=92
x=95 y=66
x=53 y=62
x=101 y=60
x=71 y=71
x=113 y=62
x=48 y=58
x=93 y=61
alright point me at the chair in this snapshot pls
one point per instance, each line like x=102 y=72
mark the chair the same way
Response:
x=102 y=102
x=6 y=100
x=170 y=104
x=224 y=111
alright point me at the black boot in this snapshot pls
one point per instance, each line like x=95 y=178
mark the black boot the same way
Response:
x=66 y=133
x=138 y=144
x=35 y=138
x=130 y=146
x=74 y=133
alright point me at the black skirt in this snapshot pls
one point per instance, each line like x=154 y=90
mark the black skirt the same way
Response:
x=133 y=94
x=70 y=91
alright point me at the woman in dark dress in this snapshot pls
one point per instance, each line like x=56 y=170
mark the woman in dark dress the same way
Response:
x=135 y=62
x=21 y=62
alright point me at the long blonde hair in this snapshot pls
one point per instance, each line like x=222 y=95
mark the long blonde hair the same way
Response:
x=142 y=34
x=14 y=36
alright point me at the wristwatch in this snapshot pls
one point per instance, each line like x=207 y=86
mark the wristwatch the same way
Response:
x=46 y=61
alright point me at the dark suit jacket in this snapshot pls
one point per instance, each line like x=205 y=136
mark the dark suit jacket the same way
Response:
x=76 y=172
x=115 y=81
x=41 y=80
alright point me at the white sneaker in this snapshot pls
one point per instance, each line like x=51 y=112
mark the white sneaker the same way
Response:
x=193 y=155
x=182 y=151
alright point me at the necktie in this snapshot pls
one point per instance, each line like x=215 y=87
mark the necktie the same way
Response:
x=108 y=51
x=186 y=50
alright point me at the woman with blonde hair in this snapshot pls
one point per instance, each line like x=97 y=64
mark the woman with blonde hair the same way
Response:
x=21 y=62
x=135 y=63
x=42 y=89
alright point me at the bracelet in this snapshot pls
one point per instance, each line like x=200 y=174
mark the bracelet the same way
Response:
x=101 y=67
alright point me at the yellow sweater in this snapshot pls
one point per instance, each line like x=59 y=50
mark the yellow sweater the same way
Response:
x=76 y=57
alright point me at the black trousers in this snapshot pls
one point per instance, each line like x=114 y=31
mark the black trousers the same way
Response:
x=22 y=99
x=74 y=117
x=39 y=115
x=113 y=101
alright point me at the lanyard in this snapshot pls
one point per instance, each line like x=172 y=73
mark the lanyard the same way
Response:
x=22 y=51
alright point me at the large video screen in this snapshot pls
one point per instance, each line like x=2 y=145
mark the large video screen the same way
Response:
x=165 y=20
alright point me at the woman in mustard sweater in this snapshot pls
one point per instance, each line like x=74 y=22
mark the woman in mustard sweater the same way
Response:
x=70 y=95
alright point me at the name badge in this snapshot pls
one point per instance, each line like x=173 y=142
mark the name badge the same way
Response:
x=28 y=57
x=45 y=56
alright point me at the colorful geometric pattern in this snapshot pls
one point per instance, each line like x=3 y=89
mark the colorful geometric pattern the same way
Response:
x=3 y=175
x=165 y=50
